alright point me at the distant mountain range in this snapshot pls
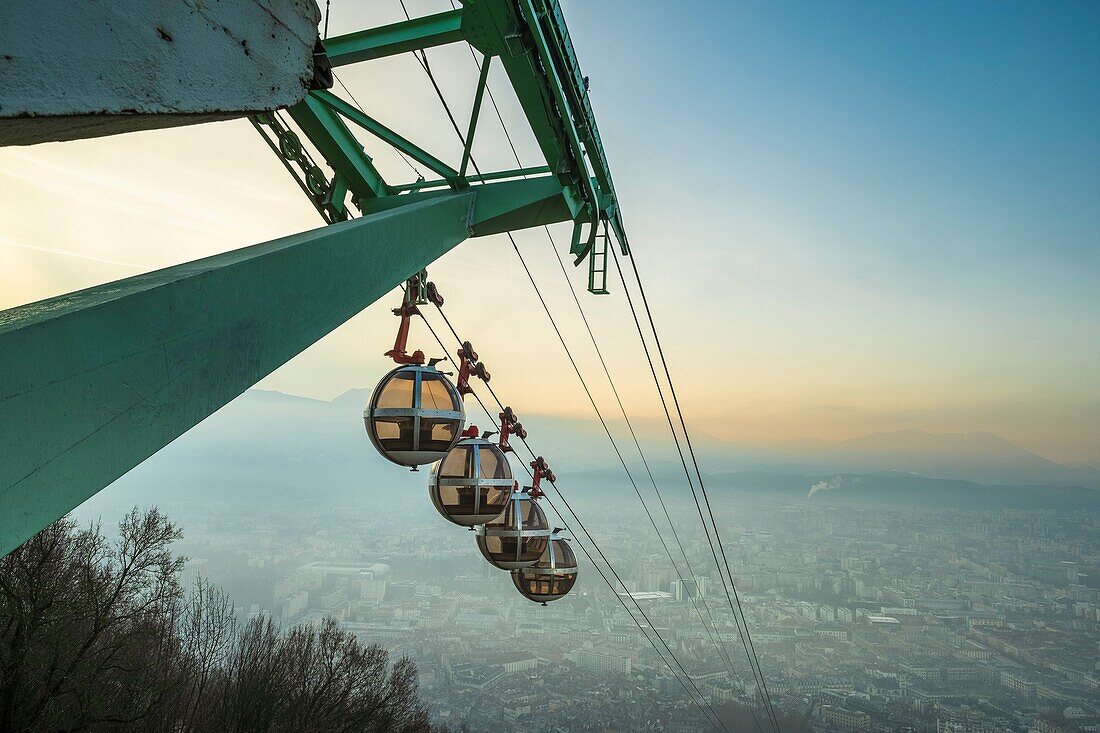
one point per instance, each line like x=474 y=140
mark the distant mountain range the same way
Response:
x=883 y=488
x=976 y=456
x=275 y=444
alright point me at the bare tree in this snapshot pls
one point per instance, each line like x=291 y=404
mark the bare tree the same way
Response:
x=85 y=640
x=318 y=679
x=99 y=635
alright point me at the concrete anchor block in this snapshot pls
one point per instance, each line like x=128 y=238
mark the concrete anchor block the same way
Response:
x=73 y=69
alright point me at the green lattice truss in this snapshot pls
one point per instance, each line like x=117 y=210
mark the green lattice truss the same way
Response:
x=531 y=41
x=94 y=382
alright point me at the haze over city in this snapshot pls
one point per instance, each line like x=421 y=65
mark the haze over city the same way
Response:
x=870 y=242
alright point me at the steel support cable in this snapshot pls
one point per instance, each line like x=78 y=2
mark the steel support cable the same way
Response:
x=722 y=653
x=591 y=539
x=747 y=637
x=515 y=153
x=738 y=621
x=713 y=628
x=422 y=59
x=591 y=559
x=595 y=564
x=550 y=236
x=750 y=648
x=442 y=99
x=724 y=656
x=580 y=377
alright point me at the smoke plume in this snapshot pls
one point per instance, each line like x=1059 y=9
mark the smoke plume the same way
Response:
x=833 y=483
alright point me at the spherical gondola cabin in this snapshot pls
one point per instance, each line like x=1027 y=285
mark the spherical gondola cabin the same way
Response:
x=414 y=416
x=552 y=576
x=472 y=484
x=517 y=537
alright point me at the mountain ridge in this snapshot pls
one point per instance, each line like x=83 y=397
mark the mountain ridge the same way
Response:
x=271 y=445
x=978 y=456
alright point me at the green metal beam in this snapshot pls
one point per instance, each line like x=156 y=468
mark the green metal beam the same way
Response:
x=495 y=27
x=546 y=75
x=531 y=38
x=383 y=133
x=500 y=207
x=533 y=43
x=482 y=81
x=96 y=381
x=575 y=86
x=491 y=28
x=537 y=170
x=389 y=40
x=339 y=147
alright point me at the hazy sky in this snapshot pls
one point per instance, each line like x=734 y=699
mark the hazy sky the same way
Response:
x=853 y=217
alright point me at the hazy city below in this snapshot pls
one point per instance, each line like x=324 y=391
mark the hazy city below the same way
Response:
x=900 y=582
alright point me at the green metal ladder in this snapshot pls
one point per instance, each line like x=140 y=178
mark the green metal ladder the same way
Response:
x=597 y=264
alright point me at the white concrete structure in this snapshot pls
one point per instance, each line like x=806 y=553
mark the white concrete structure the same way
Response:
x=84 y=68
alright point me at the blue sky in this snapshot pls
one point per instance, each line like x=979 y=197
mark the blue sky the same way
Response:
x=928 y=122
x=860 y=216
x=916 y=179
